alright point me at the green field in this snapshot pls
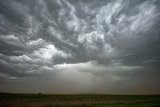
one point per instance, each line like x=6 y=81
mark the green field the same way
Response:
x=78 y=100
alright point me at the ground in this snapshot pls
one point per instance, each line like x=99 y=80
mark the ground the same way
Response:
x=78 y=100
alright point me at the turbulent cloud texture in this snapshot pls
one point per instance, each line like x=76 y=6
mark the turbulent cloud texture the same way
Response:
x=80 y=46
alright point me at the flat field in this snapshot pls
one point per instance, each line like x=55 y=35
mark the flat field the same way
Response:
x=78 y=100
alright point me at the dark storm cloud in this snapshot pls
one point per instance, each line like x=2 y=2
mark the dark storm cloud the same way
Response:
x=91 y=43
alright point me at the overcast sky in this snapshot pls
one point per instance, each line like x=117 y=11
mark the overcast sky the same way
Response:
x=80 y=46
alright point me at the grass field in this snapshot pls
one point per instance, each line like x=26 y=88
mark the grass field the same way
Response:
x=78 y=100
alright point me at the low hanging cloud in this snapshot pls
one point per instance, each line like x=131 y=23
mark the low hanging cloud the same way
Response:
x=98 y=46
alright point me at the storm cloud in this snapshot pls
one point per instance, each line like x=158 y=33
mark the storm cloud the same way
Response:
x=80 y=46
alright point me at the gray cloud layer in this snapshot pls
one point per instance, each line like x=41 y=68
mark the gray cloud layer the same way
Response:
x=82 y=46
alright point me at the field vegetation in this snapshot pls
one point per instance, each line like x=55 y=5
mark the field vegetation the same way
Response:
x=78 y=100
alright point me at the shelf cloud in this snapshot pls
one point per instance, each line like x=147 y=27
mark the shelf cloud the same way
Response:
x=83 y=46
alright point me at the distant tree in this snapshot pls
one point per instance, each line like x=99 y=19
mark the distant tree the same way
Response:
x=39 y=93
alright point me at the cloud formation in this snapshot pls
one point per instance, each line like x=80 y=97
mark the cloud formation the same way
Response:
x=96 y=45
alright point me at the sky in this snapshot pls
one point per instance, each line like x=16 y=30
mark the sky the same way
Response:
x=80 y=46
